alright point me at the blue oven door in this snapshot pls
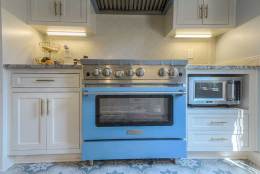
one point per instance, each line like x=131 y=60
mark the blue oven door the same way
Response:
x=112 y=113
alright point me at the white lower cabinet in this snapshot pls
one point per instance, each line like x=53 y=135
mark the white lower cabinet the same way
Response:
x=45 y=123
x=218 y=129
x=28 y=122
x=63 y=121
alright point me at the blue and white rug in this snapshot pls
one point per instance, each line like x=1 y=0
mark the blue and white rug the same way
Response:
x=184 y=166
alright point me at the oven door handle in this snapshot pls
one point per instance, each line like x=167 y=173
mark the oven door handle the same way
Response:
x=134 y=93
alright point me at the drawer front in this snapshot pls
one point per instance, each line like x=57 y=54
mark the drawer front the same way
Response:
x=133 y=149
x=217 y=142
x=216 y=111
x=46 y=80
x=229 y=123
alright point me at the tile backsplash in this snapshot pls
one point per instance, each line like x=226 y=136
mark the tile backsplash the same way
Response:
x=136 y=37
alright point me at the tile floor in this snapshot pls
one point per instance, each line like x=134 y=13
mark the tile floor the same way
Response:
x=183 y=166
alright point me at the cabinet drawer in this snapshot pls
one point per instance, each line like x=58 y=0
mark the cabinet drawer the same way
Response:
x=46 y=80
x=217 y=142
x=229 y=123
x=212 y=112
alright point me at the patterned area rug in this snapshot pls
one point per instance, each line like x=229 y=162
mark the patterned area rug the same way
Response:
x=184 y=166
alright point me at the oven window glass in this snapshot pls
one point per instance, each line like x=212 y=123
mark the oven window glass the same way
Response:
x=209 y=90
x=134 y=110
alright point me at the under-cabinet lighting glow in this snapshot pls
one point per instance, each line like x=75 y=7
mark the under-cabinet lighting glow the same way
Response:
x=66 y=33
x=193 y=35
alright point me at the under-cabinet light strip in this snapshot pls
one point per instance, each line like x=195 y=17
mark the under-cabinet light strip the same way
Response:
x=193 y=35
x=66 y=33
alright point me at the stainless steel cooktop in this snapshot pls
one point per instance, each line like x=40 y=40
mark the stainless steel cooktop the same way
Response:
x=98 y=71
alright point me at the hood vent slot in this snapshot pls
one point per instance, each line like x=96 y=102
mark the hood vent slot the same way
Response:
x=138 y=7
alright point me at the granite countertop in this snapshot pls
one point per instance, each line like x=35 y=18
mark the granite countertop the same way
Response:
x=221 y=67
x=37 y=66
x=189 y=67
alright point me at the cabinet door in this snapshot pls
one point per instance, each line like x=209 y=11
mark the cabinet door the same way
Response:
x=44 y=10
x=63 y=121
x=28 y=124
x=216 y=12
x=74 y=11
x=188 y=12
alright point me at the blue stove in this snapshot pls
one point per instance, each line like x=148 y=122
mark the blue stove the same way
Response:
x=134 y=109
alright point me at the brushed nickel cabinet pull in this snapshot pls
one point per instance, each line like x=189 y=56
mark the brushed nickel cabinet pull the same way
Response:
x=200 y=11
x=55 y=8
x=42 y=80
x=218 y=122
x=206 y=11
x=48 y=107
x=218 y=139
x=60 y=8
x=42 y=107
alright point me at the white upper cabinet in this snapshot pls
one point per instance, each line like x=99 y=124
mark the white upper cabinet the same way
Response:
x=216 y=12
x=73 y=11
x=202 y=16
x=189 y=12
x=58 y=12
x=204 y=12
x=44 y=10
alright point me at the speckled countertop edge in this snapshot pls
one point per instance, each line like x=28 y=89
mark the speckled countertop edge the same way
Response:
x=221 y=67
x=189 y=67
x=34 y=66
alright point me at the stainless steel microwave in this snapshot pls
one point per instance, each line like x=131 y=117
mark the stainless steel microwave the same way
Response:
x=214 y=90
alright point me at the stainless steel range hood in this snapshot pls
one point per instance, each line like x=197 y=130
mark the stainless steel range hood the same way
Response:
x=136 y=7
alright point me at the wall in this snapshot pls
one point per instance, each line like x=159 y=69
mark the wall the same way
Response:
x=247 y=10
x=241 y=45
x=1 y=102
x=20 y=41
x=137 y=37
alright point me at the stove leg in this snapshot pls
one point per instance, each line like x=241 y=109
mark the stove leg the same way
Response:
x=91 y=162
x=173 y=161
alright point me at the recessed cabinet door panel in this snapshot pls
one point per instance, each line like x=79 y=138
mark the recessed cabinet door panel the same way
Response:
x=216 y=12
x=45 y=10
x=189 y=12
x=29 y=123
x=63 y=121
x=74 y=11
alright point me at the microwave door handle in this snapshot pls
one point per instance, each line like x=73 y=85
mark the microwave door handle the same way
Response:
x=230 y=91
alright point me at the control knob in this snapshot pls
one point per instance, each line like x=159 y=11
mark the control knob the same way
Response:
x=97 y=72
x=173 y=72
x=163 y=72
x=130 y=72
x=140 y=72
x=119 y=73
x=107 y=72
